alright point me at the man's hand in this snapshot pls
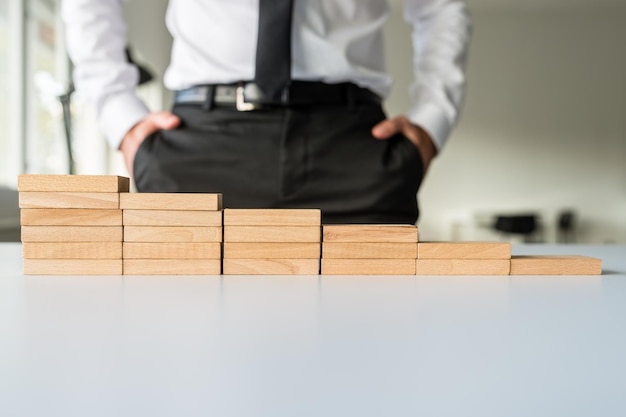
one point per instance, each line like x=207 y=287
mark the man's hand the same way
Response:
x=153 y=122
x=420 y=138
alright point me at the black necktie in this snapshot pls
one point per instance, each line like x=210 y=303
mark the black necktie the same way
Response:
x=273 y=54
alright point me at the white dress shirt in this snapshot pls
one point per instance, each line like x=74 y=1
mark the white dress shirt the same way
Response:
x=215 y=42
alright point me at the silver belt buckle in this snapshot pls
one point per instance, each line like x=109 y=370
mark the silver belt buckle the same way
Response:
x=241 y=104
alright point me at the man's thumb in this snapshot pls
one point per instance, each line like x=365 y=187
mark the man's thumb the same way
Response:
x=165 y=120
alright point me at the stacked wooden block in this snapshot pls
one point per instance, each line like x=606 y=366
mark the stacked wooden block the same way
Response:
x=172 y=234
x=71 y=225
x=276 y=242
x=92 y=225
x=369 y=250
x=463 y=258
x=555 y=265
x=494 y=258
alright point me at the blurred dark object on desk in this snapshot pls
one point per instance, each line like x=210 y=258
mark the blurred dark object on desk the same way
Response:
x=9 y=215
x=566 y=227
x=526 y=226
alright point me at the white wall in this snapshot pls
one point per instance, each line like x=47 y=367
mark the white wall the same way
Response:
x=544 y=125
x=150 y=43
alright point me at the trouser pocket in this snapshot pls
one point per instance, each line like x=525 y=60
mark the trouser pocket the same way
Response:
x=142 y=162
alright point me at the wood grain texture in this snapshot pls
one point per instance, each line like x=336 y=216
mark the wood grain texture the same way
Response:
x=172 y=267
x=172 y=218
x=272 y=217
x=368 y=266
x=280 y=250
x=28 y=199
x=370 y=233
x=555 y=265
x=463 y=266
x=271 y=267
x=73 y=183
x=72 y=267
x=272 y=234
x=170 y=201
x=72 y=234
x=72 y=250
x=464 y=250
x=151 y=250
x=172 y=234
x=369 y=250
x=70 y=217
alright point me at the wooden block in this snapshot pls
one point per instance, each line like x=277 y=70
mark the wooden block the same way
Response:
x=170 y=201
x=368 y=266
x=151 y=250
x=463 y=267
x=70 y=217
x=172 y=234
x=172 y=218
x=464 y=250
x=72 y=250
x=73 y=183
x=370 y=233
x=555 y=265
x=35 y=199
x=272 y=217
x=272 y=234
x=72 y=267
x=72 y=234
x=271 y=266
x=369 y=250
x=280 y=250
x=172 y=267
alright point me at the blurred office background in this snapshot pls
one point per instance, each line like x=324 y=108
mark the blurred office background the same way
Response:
x=540 y=151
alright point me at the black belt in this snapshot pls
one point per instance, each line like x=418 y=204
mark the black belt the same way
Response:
x=247 y=96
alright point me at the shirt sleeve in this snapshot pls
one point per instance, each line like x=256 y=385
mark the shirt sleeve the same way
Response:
x=441 y=33
x=96 y=41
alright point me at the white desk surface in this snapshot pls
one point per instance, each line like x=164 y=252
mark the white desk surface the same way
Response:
x=314 y=346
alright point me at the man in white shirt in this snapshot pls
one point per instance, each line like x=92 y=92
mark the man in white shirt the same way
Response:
x=316 y=139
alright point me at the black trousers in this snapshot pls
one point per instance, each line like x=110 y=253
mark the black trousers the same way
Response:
x=306 y=157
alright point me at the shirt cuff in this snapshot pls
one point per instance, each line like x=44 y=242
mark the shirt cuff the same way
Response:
x=118 y=114
x=433 y=120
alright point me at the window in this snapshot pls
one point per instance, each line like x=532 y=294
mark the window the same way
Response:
x=10 y=92
x=4 y=82
x=34 y=73
x=47 y=80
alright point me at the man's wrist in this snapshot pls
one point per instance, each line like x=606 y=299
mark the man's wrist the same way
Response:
x=433 y=121
x=426 y=141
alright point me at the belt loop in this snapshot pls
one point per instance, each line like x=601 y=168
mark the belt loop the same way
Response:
x=209 y=99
